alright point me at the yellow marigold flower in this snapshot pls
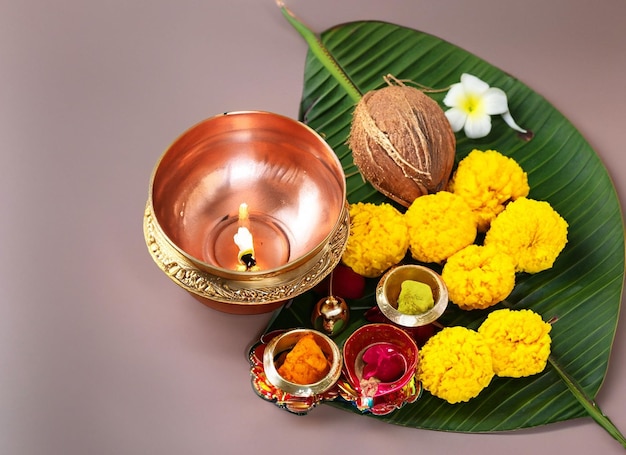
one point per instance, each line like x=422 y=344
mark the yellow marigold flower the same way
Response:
x=487 y=181
x=478 y=277
x=378 y=238
x=440 y=224
x=455 y=364
x=531 y=232
x=519 y=341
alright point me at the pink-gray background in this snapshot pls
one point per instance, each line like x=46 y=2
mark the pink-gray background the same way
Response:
x=99 y=352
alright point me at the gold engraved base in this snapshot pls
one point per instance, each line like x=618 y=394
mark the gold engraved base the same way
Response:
x=238 y=293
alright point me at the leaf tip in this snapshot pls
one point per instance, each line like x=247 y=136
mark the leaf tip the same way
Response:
x=283 y=7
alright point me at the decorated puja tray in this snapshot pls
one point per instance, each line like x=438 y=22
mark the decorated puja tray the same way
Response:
x=342 y=390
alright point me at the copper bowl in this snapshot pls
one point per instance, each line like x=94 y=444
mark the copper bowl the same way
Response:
x=388 y=291
x=284 y=343
x=294 y=187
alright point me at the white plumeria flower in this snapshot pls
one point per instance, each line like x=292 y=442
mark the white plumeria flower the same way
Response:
x=472 y=103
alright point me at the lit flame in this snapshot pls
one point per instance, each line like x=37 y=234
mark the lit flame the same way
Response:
x=244 y=219
x=243 y=239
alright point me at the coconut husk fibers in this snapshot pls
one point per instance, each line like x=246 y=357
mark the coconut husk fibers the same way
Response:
x=402 y=143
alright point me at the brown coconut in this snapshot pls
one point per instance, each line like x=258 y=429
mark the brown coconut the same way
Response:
x=402 y=142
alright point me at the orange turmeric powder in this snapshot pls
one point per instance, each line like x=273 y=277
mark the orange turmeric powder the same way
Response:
x=305 y=363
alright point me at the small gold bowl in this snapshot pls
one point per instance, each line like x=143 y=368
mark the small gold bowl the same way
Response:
x=293 y=186
x=388 y=291
x=285 y=342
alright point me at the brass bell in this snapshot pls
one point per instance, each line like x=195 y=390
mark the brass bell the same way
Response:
x=330 y=315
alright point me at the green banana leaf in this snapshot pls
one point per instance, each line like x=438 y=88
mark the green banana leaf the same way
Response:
x=583 y=290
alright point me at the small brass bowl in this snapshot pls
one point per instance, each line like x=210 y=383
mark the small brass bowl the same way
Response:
x=388 y=291
x=285 y=342
x=294 y=188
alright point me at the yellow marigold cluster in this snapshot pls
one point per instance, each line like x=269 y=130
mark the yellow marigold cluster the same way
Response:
x=519 y=341
x=478 y=277
x=440 y=224
x=378 y=238
x=487 y=181
x=455 y=364
x=529 y=231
